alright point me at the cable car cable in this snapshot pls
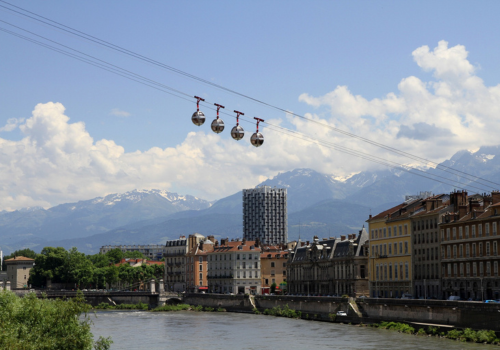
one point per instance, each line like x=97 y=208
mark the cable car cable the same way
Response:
x=139 y=56
x=122 y=72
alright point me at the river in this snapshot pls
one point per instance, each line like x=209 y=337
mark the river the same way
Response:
x=204 y=330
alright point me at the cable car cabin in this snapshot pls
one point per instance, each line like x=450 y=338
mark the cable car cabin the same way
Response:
x=217 y=126
x=237 y=133
x=257 y=139
x=198 y=118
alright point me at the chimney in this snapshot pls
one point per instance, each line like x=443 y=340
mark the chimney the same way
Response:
x=495 y=197
x=369 y=218
x=302 y=244
x=307 y=243
x=211 y=238
x=201 y=245
x=487 y=201
x=244 y=241
x=462 y=211
x=257 y=243
x=342 y=238
x=223 y=241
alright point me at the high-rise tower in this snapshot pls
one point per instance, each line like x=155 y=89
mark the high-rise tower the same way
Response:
x=265 y=215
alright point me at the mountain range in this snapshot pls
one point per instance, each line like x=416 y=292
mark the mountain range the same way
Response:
x=318 y=204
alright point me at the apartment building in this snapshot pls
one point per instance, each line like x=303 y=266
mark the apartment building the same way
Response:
x=175 y=264
x=150 y=251
x=273 y=262
x=426 y=245
x=265 y=215
x=390 y=263
x=331 y=266
x=469 y=248
x=234 y=267
x=18 y=271
x=197 y=263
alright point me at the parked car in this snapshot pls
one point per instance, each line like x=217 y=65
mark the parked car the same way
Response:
x=454 y=298
x=341 y=313
x=406 y=296
x=491 y=301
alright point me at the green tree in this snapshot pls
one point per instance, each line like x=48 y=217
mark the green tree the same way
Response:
x=111 y=274
x=100 y=260
x=115 y=255
x=134 y=255
x=273 y=288
x=28 y=253
x=51 y=263
x=30 y=323
x=80 y=269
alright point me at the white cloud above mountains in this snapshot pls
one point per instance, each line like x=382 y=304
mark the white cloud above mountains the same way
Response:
x=58 y=161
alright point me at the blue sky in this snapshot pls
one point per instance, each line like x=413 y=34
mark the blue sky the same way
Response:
x=291 y=54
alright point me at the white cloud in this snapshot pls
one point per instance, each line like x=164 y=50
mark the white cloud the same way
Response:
x=119 y=113
x=58 y=161
x=12 y=123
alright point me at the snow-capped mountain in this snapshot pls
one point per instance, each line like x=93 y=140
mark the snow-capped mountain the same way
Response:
x=33 y=226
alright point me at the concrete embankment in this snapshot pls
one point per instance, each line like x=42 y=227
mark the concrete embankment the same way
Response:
x=457 y=314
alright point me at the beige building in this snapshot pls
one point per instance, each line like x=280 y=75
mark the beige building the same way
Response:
x=18 y=271
x=273 y=267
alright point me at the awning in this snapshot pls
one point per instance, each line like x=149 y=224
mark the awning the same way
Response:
x=202 y=287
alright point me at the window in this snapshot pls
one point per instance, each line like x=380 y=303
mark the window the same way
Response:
x=454 y=233
x=455 y=251
x=389 y=231
x=385 y=249
x=407 y=274
x=487 y=229
x=385 y=232
x=373 y=234
x=455 y=271
x=390 y=249
x=473 y=231
x=395 y=271
x=462 y=269
x=460 y=232
x=448 y=252
x=284 y=264
x=466 y=232
x=201 y=259
x=377 y=271
x=400 y=247
x=249 y=256
x=480 y=230
x=406 y=229
x=447 y=234
x=494 y=225
x=406 y=247
x=272 y=263
x=495 y=268
x=449 y=270
x=481 y=249
x=467 y=250
x=395 y=248
x=442 y=234
x=201 y=277
x=488 y=268
x=390 y=271
x=237 y=256
x=474 y=269
x=487 y=248
x=481 y=271
x=461 y=251
x=495 y=252
x=400 y=230
x=272 y=272
x=244 y=256
x=201 y=267
x=256 y=265
x=468 y=269
x=473 y=250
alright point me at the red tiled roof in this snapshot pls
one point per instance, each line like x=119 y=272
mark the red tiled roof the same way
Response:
x=234 y=247
x=387 y=212
x=20 y=258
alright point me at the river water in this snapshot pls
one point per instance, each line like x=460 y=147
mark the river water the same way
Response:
x=204 y=330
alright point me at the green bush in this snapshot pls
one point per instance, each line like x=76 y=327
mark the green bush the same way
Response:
x=30 y=323
x=256 y=311
x=208 y=309
x=220 y=309
x=421 y=331
x=486 y=336
x=198 y=308
x=178 y=307
x=454 y=334
x=283 y=312
x=332 y=317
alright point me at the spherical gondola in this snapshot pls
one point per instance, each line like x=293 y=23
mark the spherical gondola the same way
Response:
x=237 y=133
x=198 y=118
x=257 y=139
x=217 y=125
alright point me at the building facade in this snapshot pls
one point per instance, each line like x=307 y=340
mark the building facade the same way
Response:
x=197 y=263
x=426 y=246
x=18 y=271
x=234 y=267
x=391 y=263
x=469 y=248
x=273 y=262
x=334 y=266
x=265 y=215
x=175 y=264
x=151 y=251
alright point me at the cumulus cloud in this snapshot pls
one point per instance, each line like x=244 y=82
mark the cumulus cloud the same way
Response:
x=12 y=123
x=119 y=113
x=58 y=161
x=453 y=110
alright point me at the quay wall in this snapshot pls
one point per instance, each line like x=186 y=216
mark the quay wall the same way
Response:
x=459 y=314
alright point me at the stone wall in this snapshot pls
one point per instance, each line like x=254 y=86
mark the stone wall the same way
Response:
x=458 y=314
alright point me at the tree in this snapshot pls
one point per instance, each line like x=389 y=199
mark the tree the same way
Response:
x=100 y=260
x=134 y=255
x=80 y=269
x=28 y=253
x=115 y=255
x=51 y=263
x=273 y=287
x=30 y=323
x=111 y=275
